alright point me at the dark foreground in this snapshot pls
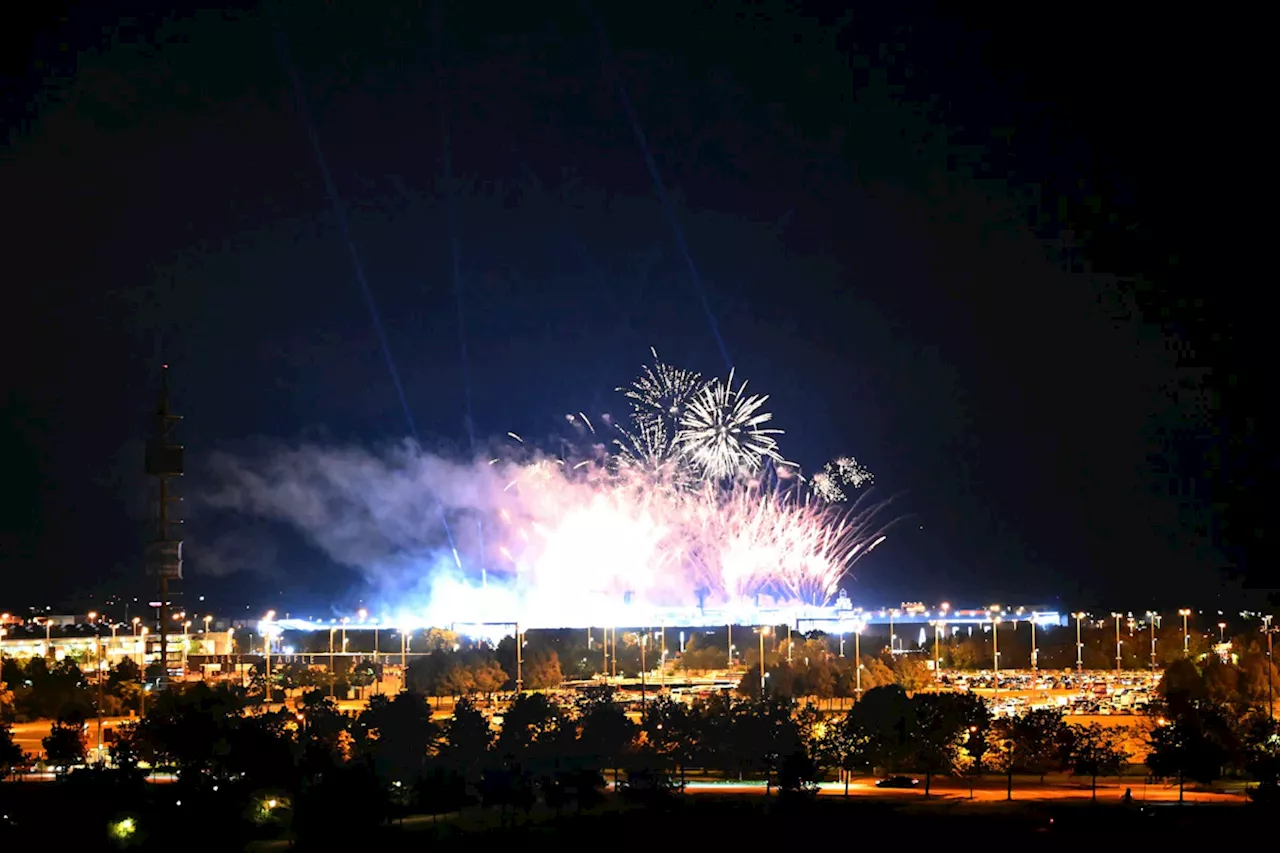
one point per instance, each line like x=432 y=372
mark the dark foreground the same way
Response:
x=748 y=822
x=40 y=813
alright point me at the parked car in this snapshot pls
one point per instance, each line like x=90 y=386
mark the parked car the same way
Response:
x=898 y=782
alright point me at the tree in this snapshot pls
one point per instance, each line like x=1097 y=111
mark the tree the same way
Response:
x=700 y=655
x=886 y=718
x=127 y=750
x=844 y=745
x=1259 y=681
x=1181 y=686
x=1260 y=737
x=65 y=746
x=911 y=673
x=362 y=675
x=11 y=755
x=819 y=680
x=458 y=679
x=530 y=716
x=939 y=726
x=1194 y=745
x=468 y=736
x=542 y=670
x=125 y=675
x=606 y=733
x=670 y=732
x=398 y=736
x=1036 y=742
x=1097 y=751
x=488 y=678
x=1221 y=682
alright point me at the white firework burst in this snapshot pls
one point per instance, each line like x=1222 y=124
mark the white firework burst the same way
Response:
x=661 y=392
x=723 y=430
x=647 y=447
x=837 y=477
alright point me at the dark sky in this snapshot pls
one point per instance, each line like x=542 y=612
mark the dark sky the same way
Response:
x=942 y=244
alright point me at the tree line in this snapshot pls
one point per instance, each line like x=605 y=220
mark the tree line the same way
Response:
x=329 y=774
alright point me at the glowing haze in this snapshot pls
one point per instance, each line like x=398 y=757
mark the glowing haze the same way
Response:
x=643 y=523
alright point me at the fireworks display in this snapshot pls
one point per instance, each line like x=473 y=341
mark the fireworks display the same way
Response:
x=678 y=509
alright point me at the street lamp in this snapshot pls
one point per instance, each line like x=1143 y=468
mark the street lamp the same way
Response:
x=1186 y=638
x=266 y=639
x=857 y=654
x=1035 y=654
x=1117 y=617
x=1222 y=633
x=333 y=672
x=1152 y=619
x=207 y=620
x=186 y=646
x=995 y=652
x=764 y=629
x=142 y=671
x=404 y=654
x=892 y=634
x=937 y=652
x=1271 y=711
x=1079 y=644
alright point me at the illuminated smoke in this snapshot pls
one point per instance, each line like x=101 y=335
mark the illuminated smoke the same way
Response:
x=615 y=529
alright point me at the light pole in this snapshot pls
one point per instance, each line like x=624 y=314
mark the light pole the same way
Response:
x=644 y=638
x=266 y=639
x=892 y=634
x=1222 y=633
x=404 y=655
x=995 y=653
x=1271 y=711
x=98 y=637
x=789 y=643
x=1079 y=644
x=937 y=653
x=520 y=659
x=1186 y=638
x=662 y=657
x=764 y=629
x=186 y=645
x=857 y=654
x=1035 y=654
x=142 y=671
x=730 y=645
x=1152 y=619
x=333 y=672
x=1117 y=617
x=377 y=667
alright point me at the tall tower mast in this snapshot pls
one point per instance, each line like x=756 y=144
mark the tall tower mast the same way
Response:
x=164 y=461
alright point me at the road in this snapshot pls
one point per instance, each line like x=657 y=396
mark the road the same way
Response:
x=988 y=790
x=30 y=735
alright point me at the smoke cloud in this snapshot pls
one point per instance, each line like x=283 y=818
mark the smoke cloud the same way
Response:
x=542 y=541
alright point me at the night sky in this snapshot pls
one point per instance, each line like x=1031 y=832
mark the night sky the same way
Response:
x=942 y=245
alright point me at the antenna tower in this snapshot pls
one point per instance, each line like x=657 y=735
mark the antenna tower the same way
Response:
x=164 y=461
